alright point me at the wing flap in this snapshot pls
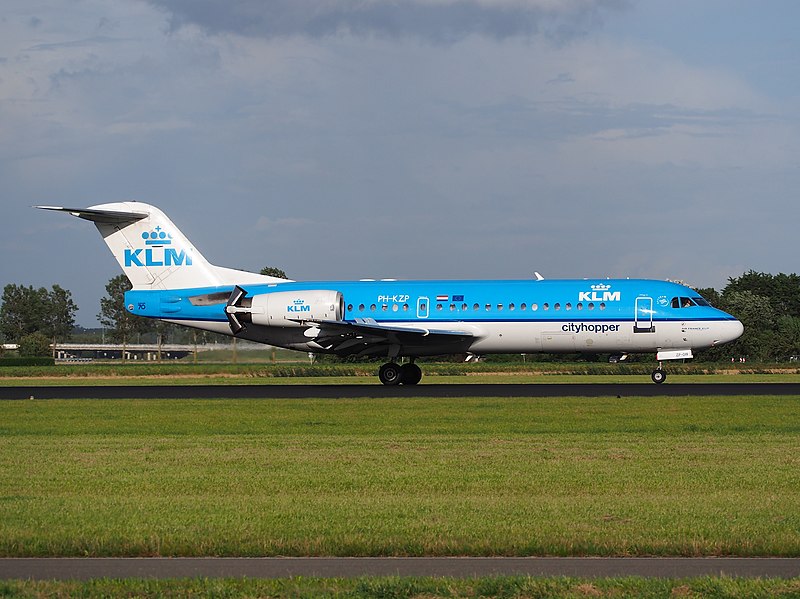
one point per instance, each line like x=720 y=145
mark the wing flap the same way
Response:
x=368 y=337
x=394 y=332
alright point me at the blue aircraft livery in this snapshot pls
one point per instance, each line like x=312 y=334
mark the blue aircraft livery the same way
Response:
x=402 y=320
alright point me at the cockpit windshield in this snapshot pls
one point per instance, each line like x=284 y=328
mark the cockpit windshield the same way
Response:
x=688 y=302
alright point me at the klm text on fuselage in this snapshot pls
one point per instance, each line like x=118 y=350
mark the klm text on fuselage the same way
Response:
x=157 y=257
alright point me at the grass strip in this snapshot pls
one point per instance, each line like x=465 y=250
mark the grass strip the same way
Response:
x=479 y=476
x=428 y=379
x=455 y=369
x=394 y=587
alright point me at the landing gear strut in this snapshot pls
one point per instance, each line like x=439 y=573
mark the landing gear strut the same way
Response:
x=395 y=374
x=659 y=375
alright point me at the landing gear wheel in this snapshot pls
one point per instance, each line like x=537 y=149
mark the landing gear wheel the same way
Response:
x=658 y=376
x=390 y=374
x=410 y=374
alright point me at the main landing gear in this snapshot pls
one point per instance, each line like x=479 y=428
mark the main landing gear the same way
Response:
x=659 y=375
x=395 y=374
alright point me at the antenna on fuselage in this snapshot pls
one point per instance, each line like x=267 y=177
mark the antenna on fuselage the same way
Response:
x=538 y=276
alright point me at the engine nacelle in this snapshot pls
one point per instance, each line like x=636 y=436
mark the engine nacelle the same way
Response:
x=292 y=308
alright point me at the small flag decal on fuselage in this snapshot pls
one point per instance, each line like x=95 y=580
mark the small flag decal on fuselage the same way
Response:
x=442 y=298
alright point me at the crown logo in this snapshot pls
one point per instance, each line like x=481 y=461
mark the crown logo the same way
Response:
x=157 y=237
x=601 y=287
x=299 y=302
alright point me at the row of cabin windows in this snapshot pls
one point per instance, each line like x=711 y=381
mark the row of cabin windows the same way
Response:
x=677 y=302
x=475 y=307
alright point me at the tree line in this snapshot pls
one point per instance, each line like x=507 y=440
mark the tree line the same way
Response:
x=768 y=305
x=36 y=318
x=769 y=308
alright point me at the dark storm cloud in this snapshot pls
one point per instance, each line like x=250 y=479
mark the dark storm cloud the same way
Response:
x=438 y=21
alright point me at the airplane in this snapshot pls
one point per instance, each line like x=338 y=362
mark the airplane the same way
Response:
x=396 y=319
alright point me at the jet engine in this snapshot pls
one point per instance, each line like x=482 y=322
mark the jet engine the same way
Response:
x=283 y=308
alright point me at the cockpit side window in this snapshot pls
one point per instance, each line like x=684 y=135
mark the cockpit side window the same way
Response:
x=700 y=301
x=676 y=302
x=686 y=302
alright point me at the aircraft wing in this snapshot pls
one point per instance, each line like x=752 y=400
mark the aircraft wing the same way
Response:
x=367 y=337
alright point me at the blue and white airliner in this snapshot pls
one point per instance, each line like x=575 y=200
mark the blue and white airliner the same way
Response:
x=401 y=320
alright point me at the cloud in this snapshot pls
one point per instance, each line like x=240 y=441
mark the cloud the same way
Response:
x=340 y=136
x=437 y=21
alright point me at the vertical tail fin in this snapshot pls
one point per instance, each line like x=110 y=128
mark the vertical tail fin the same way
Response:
x=152 y=251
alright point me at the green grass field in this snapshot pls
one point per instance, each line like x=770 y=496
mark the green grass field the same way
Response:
x=388 y=588
x=428 y=379
x=486 y=476
x=151 y=373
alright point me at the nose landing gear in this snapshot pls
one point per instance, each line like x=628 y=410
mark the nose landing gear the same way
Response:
x=659 y=375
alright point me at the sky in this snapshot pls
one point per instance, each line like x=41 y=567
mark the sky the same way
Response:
x=348 y=139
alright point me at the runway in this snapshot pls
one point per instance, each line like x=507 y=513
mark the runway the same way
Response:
x=277 y=391
x=456 y=567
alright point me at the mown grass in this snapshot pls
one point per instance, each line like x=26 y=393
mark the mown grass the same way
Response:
x=428 y=476
x=478 y=371
x=427 y=379
x=395 y=587
x=366 y=374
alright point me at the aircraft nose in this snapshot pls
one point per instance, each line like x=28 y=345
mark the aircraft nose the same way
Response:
x=730 y=331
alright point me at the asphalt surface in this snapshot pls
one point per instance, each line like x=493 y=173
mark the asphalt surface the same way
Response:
x=457 y=567
x=271 y=391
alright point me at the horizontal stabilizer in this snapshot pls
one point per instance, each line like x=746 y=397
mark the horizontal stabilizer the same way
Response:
x=111 y=217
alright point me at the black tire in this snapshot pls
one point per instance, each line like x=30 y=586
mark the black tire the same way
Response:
x=390 y=374
x=411 y=374
x=658 y=376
